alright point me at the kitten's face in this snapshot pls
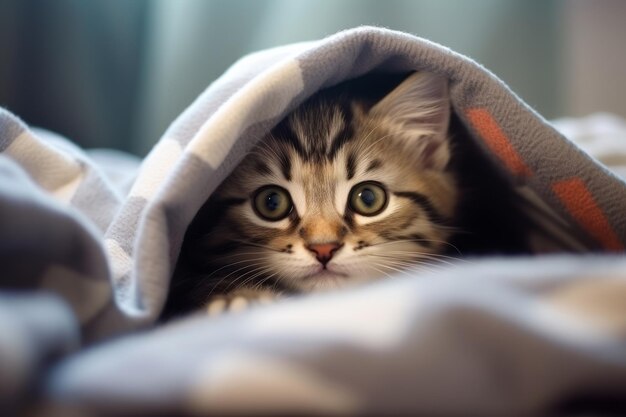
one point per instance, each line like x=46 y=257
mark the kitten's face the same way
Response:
x=338 y=194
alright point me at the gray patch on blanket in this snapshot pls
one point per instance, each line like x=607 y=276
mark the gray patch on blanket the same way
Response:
x=94 y=197
x=37 y=233
x=129 y=214
x=196 y=180
x=316 y=76
x=240 y=74
x=10 y=128
x=35 y=328
x=190 y=122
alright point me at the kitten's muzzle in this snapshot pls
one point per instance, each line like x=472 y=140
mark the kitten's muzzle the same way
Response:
x=324 y=251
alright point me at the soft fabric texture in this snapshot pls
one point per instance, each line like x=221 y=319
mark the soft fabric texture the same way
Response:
x=87 y=252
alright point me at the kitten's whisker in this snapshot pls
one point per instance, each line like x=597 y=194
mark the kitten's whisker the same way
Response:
x=411 y=264
x=399 y=270
x=443 y=242
x=382 y=272
x=259 y=272
x=443 y=256
x=232 y=264
x=219 y=283
x=404 y=263
x=222 y=279
x=234 y=282
x=418 y=268
x=391 y=242
x=439 y=257
x=254 y=275
x=259 y=285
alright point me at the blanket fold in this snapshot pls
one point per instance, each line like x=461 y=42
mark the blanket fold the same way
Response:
x=103 y=243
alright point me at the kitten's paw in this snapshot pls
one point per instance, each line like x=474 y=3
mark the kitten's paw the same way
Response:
x=239 y=300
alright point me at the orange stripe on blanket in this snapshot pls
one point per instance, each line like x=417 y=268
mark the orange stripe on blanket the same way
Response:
x=497 y=141
x=582 y=206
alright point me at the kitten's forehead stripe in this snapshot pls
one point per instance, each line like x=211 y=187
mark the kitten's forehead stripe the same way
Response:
x=345 y=134
x=280 y=150
x=262 y=168
x=375 y=164
x=425 y=203
x=285 y=167
x=318 y=131
x=285 y=134
x=351 y=165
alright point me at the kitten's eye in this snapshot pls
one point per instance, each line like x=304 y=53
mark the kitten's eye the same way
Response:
x=272 y=203
x=368 y=198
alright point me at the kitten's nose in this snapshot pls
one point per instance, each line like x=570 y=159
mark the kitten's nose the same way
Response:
x=324 y=251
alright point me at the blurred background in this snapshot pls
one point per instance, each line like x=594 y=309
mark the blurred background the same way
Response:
x=116 y=73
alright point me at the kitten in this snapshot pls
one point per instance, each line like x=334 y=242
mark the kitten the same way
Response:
x=351 y=187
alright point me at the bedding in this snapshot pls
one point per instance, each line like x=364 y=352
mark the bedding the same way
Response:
x=88 y=240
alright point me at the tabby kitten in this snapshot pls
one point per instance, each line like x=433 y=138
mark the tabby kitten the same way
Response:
x=347 y=189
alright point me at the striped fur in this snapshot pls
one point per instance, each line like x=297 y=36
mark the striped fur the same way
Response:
x=318 y=153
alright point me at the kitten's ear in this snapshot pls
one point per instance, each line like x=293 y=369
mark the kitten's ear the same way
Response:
x=418 y=111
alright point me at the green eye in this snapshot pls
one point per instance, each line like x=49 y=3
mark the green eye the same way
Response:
x=272 y=203
x=368 y=198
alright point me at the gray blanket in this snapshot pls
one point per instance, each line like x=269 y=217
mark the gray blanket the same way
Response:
x=88 y=241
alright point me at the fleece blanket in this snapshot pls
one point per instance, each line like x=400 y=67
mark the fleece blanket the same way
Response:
x=88 y=241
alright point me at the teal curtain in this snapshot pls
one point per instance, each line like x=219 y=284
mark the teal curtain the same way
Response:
x=72 y=66
x=115 y=73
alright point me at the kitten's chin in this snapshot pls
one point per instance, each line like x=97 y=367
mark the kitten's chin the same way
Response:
x=326 y=280
x=323 y=280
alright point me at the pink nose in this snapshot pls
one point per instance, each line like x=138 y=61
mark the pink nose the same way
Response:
x=324 y=251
